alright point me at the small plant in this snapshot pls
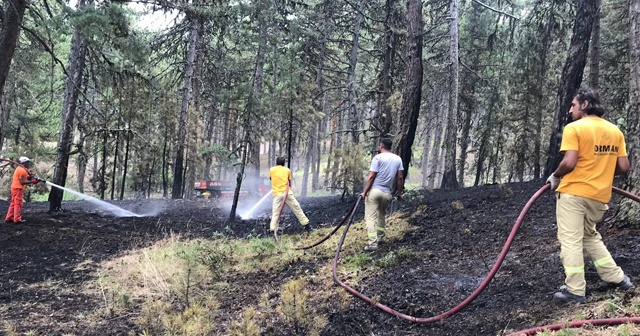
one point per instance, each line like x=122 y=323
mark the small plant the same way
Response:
x=413 y=196
x=296 y=310
x=566 y=332
x=262 y=246
x=150 y=319
x=10 y=329
x=624 y=330
x=457 y=205
x=421 y=211
x=358 y=261
x=194 y=320
x=247 y=325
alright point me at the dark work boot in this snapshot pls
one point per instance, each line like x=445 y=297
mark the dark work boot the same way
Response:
x=625 y=284
x=565 y=296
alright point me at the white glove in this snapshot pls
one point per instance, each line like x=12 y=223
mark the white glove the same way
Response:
x=554 y=181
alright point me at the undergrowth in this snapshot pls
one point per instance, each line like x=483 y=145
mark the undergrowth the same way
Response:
x=175 y=286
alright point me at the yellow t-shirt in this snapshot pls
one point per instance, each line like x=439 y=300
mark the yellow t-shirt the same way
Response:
x=599 y=144
x=280 y=177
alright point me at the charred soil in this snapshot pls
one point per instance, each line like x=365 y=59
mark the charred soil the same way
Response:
x=46 y=261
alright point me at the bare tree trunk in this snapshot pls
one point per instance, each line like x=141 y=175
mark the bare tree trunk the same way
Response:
x=629 y=211
x=336 y=145
x=165 y=180
x=412 y=94
x=307 y=161
x=594 y=65
x=7 y=102
x=571 y=77
x=178 y=169
x=354 y=116
x=72 y=89
x=103 y=164
x=449 y=180
x=438 y=145
x=485 y=140
x=116 y=154
x=83 y=157
x=12 y=16
x=125 y=163
x=383 y=121
x=539 y=96
x=254 y=108
x=426 y=151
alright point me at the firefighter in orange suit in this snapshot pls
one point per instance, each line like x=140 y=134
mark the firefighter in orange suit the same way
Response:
x=21 y=178
x=280 y=177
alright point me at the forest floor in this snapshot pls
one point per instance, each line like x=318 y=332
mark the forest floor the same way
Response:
x=47 y=264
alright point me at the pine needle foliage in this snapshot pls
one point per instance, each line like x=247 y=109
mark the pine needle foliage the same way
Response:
x=296 y=311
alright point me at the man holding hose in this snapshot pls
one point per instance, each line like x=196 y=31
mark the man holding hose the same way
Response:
x=280 y=177
x=21 y=178
x=594 y=151
x=386 y=171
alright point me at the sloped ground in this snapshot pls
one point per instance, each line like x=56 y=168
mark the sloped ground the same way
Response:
x=45 y=263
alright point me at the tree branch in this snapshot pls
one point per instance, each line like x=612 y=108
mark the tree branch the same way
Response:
x=496 y=10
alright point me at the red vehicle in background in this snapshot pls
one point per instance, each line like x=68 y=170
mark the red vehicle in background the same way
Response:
x=226 y=189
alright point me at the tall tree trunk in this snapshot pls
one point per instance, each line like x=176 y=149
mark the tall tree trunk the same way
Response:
x=571 y=77
x=72 y=89
x=485 y=140
x=337 y=144
x=12 y=16
x=449 y=180
x=427 y=147
x=116 y=155
x=313 y=154
x=308 y=160
x=469 y=95
x=539 y=96
x=438 y=145
x=594 y=64
x=83 y=157
x=383 y=121
x=254 y=108
x=178 y=169
x=165 y=163
x=354 y=117
x=7 y=102
x=103 y=164
x=125 y=163
x=629 y=211
x=412 y=95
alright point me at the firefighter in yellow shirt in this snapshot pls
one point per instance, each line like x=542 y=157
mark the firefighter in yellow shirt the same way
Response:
x=594 y=151
x=280 y=177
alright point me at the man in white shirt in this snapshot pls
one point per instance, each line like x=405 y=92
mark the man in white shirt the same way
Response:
x=386 y=168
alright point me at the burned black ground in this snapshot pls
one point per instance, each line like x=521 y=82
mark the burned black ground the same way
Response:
x=43 y=262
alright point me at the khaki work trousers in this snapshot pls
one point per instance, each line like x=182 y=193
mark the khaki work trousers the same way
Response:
x=577 y=217
x=375 y=211
x=292 y=203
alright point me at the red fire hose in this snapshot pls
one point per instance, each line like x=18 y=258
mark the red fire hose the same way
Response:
x=349 y=220
x=464 y=303
x=348 y=216
x=596 y=322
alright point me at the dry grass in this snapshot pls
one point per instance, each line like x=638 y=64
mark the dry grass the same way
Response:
x=175 y=282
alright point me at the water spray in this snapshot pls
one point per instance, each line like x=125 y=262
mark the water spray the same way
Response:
x=115 y=210
x=249 y=214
